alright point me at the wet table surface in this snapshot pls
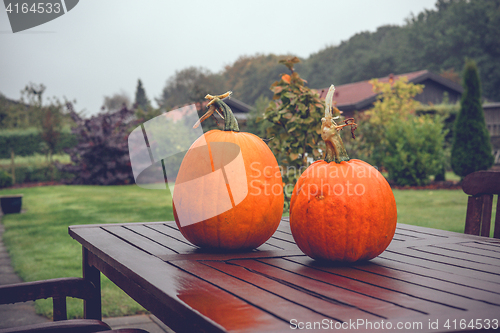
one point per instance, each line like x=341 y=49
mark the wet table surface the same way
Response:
x=427 y=280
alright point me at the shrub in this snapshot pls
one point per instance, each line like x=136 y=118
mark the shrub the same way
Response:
x=39 y=173
x=28 y=142
x=5 y=179
x=295 y=114
x=393 y=136
x=101 y=156
x=414 y=150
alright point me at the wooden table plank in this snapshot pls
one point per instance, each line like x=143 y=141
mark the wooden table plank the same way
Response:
x=366 y=289
x=327 y=290
x=174 y=234
x=262 y=299
x=386 y=268
x=285 y=235
x=492 y=247
x=422 y=253
x=154 y=235
x=403 y=236
x=403 y=264
x=439 y=266
x=282 y=243
x=326 y=306
x=463 y=248
x=437 y=296
x=425 y=274
x=145 y=244
x=151 y=274
x=425 y=232
x=446 y=250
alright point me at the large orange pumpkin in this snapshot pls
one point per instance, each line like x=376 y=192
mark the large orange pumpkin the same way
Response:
x=241 y=207
x=341 y=209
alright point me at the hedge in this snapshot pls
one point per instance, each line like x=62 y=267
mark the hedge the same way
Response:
x=28 y=142
x=43 y=173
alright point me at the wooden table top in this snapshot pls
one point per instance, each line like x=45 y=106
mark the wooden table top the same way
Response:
x=426 y=281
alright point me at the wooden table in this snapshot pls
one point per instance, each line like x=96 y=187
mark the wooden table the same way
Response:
x=426 y=279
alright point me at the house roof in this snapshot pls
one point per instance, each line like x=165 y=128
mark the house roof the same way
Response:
x=239 y=108
x=360 y=95
x=495 y=105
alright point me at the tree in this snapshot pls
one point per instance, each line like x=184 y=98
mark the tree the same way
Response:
x=48 y=119
x=13 y=114
x=189 y=85
x=471 y=150
x=116 y=102
x=255 y=119
x=51 y=119
x=141 y=100
x=438 y=40
x=295 y=114
x=249 y=77
x=458 y=29
x=144 y=111
x=394 y=102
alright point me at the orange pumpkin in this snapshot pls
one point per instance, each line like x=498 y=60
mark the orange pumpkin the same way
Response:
x=241 y=206
x=341 y=209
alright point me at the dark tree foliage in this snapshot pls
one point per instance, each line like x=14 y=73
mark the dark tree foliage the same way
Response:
x=364 y=56
x=438 y=40
x=249 y=77
x=101 y=156
x=189 y=85
x=141 y=100
x=471 y=150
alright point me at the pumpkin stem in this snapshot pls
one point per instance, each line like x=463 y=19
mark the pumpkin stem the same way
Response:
x=335 y=150
x=217 y=105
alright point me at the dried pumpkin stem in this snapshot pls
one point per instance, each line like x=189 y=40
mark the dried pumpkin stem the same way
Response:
x=335 y=150
x=217 y=105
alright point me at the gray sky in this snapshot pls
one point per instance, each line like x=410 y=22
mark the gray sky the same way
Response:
x=102 y=47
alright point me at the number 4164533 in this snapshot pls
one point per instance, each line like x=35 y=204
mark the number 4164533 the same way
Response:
x=471 y=324
x=35 y=8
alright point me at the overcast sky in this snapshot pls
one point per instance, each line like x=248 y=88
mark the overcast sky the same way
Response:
x=102 y=47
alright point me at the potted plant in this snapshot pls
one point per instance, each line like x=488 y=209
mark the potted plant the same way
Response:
x=11 y=204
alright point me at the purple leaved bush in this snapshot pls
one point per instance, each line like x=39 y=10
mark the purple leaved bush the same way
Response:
x=101 y=156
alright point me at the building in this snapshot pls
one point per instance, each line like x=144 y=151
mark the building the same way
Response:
x=239 y=108
x=359 y=96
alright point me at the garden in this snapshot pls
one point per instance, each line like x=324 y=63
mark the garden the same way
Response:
x=75 y=169
x=85 y=168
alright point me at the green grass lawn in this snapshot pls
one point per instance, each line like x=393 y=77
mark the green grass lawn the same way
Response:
x=39 y=244
x=41 y=248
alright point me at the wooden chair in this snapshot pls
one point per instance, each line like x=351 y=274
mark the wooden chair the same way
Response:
x=481 y=186
x=58 y=290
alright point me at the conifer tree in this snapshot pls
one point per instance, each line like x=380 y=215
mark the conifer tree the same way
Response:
x=141 y=101
x=471 y=150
